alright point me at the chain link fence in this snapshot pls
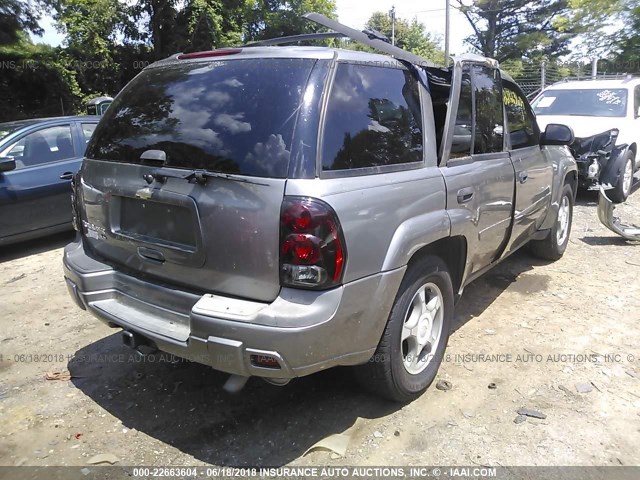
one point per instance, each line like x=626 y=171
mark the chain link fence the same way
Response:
x=533 y=78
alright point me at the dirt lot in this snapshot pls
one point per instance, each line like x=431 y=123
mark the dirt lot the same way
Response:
x=543 y=328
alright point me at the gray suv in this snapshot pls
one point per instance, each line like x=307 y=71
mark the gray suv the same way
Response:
x=274 y=211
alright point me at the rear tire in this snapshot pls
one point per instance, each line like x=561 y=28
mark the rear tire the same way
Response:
x=621 y=191
x=414 y=340
x=554 y=246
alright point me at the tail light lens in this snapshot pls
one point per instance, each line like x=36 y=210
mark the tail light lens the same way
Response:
x=312 y=248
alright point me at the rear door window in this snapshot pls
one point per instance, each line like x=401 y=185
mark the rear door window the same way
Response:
x=231 y=116
x=373 y=119
x=463 y=129
x=489 y=135
x=479 y=124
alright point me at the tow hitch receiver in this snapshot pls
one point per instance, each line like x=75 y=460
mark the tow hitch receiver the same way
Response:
x=605 y=214
x=130 y=339
x=138 y=343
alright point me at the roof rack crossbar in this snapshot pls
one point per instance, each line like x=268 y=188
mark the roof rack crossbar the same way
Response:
x=295 y=39
x=366 y=39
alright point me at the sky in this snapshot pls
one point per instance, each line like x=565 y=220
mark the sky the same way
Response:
x=355 y=13
x=51 y=36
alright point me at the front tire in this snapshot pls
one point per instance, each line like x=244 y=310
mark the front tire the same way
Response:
x=555 y=244
x=621 y=191
x=414 y=340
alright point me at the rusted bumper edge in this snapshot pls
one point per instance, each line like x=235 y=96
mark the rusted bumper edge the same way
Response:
x=605 y=214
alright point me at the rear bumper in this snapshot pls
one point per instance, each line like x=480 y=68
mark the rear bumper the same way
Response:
x=305 y=331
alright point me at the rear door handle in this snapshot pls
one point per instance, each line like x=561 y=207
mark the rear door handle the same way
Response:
x=66 y=176
x=523 y=177
x=465 y=195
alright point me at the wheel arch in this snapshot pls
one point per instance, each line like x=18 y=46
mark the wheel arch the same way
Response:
x=452 y=251
x=565 y=171
x=571 y=179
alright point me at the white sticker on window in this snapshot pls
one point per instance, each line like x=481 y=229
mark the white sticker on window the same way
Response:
x=609 y=97
x=546 y=102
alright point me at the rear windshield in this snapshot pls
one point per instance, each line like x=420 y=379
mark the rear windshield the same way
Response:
x=234 y=116
x=583 y=102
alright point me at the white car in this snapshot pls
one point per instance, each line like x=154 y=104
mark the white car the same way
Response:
x=605 y=118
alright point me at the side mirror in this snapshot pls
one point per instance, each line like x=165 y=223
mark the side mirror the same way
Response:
x=557 y=134
x=638 y=113
x=7 y=164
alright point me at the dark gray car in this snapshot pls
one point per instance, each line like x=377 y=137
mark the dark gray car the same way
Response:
x=275 y=211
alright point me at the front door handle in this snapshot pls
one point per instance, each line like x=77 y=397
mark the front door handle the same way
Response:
x=465 y=195
x=66 y=176
x=523 y=177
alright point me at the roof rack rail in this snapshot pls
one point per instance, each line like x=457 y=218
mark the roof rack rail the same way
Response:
x=371 y=39
x=294 y=39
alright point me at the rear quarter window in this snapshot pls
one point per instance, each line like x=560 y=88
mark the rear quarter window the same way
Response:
x=233 y=116
x=373 y=119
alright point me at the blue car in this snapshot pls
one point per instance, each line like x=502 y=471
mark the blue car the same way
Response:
x=38 y=159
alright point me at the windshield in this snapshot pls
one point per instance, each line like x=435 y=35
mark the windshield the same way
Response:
x=234 y=116
x=588 y=102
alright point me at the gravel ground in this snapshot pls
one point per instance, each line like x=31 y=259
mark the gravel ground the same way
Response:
x=559 y=338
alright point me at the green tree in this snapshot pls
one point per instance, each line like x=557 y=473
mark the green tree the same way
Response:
x=276 y=18
x=90 y=25
x=171 y=26
x=107 y=42
x=91 y=28
x=511 y=29
x=612 y=30
x=410 y=35
x=206 y=24
x=17 y=17
x=36 y=81
x=627 y=57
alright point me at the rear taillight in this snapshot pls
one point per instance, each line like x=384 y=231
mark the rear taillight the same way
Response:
x=312 y=249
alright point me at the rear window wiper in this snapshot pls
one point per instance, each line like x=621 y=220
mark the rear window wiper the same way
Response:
x=199 y=176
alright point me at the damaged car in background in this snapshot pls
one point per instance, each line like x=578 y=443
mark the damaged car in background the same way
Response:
x=605 y=117
x=601 y=162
